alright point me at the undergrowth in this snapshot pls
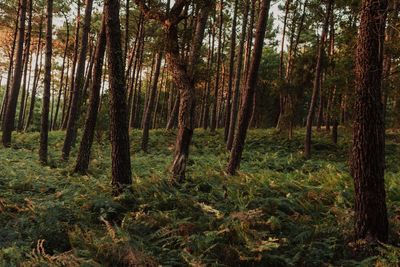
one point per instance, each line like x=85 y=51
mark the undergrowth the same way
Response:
x=280 y=210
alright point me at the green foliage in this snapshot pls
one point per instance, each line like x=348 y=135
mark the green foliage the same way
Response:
x=281 y=210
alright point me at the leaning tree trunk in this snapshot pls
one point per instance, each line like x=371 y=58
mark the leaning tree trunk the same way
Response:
x=82 y=162
x=317 y=80
x=368 y=153
x=119 y=129
x=11 y=108
x=249 y=89
x=44 y=126
x=78 y=84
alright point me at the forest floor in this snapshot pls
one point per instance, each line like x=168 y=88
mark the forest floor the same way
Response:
x=280 y=210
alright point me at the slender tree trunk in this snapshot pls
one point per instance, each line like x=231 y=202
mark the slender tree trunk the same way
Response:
x=248 y=92
x=82 y=162
x=150 y=105
x=281 y=66
x=44 y=126
x=174 y=113
x=26 y=64
x=391 y=34
x=206 y=111
x=65 y=95
x=236 y=92
x=74 y=65
x=79 y=82
x=36 y=77
x=54 y=124
x=231 y=72
x=317 y=80
x=368 y=154
x=9 y=119
x=213 y=124
x=121 y=159
x=11 y=64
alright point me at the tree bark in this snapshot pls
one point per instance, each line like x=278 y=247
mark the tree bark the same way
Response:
x=44 y=126
x=150 y=105
x=11 y=64
x=121 y=161
x=213 y=123
x=26 y=64
x=248 y=92
x=231 y=72
x=236 y=92
x=82 y=162
x=78 y=84
x=9 y=119
x=36 y=77
x=368 y=153
x=317 y=80
x=54 y=124
x=74 y=64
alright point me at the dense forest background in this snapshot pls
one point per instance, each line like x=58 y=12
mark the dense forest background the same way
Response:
x=233 y=132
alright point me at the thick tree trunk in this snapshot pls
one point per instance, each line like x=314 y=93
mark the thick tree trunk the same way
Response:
x=82 y=162
x=79 y=82
x=150 y=106
x=236 y=91
x=248 y=92
x=44 y=126
x=9 y=119
x=317 y=81
x=121 y=159
x=368 y=154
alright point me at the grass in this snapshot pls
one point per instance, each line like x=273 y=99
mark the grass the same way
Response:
x=280 y=210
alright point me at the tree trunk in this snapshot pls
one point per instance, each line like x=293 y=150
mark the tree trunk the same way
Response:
x=368 y=154
x=82 y=162
x=36 y=77
x=74 y=64
x=44 y=126
x=231 y=72
x=236 y=92
x=9 y=119
x=26 y=64
x=213 y=123
x=54 y=124
x=248 y=92
x=78 y=84
x=317 y=80
x=150 y=105
x=11 y=64
x=121 y=159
